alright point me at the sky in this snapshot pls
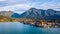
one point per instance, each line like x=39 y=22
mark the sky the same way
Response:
x=20 y=6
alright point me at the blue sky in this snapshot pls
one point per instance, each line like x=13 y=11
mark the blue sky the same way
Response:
x=19 y=6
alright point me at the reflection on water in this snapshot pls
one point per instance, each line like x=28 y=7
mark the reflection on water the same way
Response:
x=19 y=28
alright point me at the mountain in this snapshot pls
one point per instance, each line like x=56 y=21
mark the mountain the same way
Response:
x=34 y=13
x=6 y=13
x=52 y=14
x=15 y=15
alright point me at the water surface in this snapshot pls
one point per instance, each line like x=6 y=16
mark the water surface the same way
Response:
x=20 y=28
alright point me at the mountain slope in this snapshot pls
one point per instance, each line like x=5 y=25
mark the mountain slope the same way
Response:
x=34 y=13
x=15 y=15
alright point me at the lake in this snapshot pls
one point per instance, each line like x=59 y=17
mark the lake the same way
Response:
x=20 y=28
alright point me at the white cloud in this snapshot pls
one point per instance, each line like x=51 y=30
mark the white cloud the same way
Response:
x=2 y=0
x=18 y=1
x=48 y=6
x=18 y=8
x=22 y=5
x=15 y=7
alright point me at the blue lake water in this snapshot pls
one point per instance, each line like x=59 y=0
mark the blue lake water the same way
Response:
x=20 y=28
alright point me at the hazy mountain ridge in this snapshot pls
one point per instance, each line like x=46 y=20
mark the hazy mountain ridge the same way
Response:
x=6 y=13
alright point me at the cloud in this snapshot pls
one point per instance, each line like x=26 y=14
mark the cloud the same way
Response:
x=12 y=2
x=17 y=7
x=20 y=6
x=51 y=6
x=2 y=0
x=48 y=6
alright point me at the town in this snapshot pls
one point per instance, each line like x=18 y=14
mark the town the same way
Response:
x=42 y=23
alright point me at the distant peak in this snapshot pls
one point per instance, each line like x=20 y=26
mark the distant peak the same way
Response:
x=32 y=8
x=6 y=11
x=50 y=9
